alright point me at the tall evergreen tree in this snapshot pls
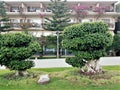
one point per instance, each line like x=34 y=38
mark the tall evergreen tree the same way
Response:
x=2 y=9
x=60 y=17
x=5 y=24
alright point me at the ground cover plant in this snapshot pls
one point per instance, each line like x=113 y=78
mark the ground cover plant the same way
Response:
x=63 y=79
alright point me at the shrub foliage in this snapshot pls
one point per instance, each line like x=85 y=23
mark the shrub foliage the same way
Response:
x=15 y=48
x=88 y=41
x=115 y=47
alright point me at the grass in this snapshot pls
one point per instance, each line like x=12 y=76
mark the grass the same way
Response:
x=111 y=68
x=64 y=79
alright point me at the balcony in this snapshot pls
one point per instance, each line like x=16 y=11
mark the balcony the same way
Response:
x=29 y=25
x=35 y=10
x=29 y=13
x=90 y=13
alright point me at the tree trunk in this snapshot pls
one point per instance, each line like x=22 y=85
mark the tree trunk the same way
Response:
x=114 y=52
x=21 y=73
x=92 y=67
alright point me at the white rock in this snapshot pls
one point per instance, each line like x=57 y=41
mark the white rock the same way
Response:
x=2 y=67
x=44 y=79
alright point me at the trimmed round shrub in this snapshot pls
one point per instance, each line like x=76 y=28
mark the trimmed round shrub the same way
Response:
x=16 y=48
x=87 y=41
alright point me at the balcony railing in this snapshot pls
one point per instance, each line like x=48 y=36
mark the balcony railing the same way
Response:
x=31 y=25
x=50 y=13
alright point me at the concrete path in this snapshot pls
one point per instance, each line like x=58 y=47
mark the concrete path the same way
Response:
x=105 y=61
x=50 y=63
x=45 y=63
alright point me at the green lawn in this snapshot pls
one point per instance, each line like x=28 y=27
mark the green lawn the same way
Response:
x=64 y=79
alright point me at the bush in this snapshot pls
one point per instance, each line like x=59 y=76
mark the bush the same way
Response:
x=115 y=47
x=87 y=41
x=15 y=48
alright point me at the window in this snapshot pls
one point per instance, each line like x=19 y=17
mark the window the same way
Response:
x=106 y=20
x=87 y=20
x=21 y=20
x=15 y=23
x=48 y=10
x=14 y=9
x=33 y=9
x=34 y=23
x=14 y=20
x=91 y=20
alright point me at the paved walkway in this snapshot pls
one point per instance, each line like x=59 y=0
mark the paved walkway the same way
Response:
x=49 y=63
x=105 y=61
x=45 y=63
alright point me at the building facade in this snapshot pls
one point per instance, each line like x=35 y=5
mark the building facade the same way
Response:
x=34 y=12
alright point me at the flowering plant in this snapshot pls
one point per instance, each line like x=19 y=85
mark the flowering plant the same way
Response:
x=81 y=11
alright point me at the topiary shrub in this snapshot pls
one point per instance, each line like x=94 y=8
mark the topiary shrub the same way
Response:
x=114 y=49
x=88 y=42
x=15 y=49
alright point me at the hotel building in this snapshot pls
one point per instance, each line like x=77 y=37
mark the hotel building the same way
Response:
x=35 y=11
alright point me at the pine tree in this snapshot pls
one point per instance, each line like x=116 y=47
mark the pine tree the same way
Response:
x=60 y=16
x=4 y=20
x=59 y=19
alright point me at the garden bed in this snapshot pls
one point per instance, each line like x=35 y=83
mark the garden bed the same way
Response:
x=63 y=79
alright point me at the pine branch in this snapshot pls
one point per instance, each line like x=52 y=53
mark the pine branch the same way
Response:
x=60 y=18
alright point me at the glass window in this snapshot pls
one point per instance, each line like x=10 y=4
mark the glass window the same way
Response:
x=14 y=9
x=106 y=20
x=33 y=9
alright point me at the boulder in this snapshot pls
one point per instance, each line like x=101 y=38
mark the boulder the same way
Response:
x=44 y=79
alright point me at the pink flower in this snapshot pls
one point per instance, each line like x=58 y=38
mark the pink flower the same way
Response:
x=101 y=9
x=79 y=8
x=41 y=15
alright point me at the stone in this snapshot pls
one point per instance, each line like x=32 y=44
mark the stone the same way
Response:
x=44 y=79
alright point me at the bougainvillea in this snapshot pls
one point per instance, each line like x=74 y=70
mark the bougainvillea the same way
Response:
x=80 y=11
x=101 y=10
